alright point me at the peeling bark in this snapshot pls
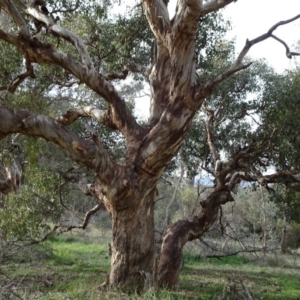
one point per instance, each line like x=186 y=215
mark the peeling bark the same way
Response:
x=181 y=232
x=133 y=245
x=127 y=190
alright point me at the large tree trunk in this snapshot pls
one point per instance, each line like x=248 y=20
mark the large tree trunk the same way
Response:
x=133 y=255
x=176 y=95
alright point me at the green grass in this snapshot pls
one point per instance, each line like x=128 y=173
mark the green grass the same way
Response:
x=231 y=260
x=214 y=277
x=78 y=265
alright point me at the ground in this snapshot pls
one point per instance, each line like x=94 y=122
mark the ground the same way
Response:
x=73 y=267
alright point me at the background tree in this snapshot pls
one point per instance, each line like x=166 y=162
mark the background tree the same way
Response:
x=127 y=186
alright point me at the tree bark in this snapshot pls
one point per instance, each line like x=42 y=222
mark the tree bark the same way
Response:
x=133 y=256
x=187 y=230
x=127 y=189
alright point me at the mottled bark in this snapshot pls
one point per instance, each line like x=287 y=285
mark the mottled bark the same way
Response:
x=181 y=232
x=127 y=189
x=133 y=255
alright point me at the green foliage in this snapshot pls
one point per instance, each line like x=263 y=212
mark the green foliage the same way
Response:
x=212 y=51
x=232 y=129
x=280 y=119
x=293 y=236
x=26 y=215
x=112 y=39
x=10 y=63
x=288 y=203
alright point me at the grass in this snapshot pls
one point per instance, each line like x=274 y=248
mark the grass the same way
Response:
x=78 y=265
x=227 y=278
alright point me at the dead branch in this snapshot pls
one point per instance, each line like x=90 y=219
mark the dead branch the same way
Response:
x=263 y=37
x=289 y=54
x=62 y=229
x=20 y=78
x=226 y=254
x=206 y=89
x=246 y=290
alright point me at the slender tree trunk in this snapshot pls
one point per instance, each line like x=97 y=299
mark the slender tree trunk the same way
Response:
x=283 y=237
x=133 y=255
x=187 y=230
x=176 y=188
x=264 y=220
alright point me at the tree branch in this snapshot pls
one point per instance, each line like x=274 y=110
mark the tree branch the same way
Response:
x=289 y=54
x=58 y=30
x=20 y=78
x=187 y=12
x=40 y=52
x=116 y=75
x=138 y=68
x=210 y=132
x=9 y=38
x=214 y=5
x=84 y=152
x=204 y=90
x=9 y=7
x=101 y=116
x=261 y=38
x=158 y=17
x=64 y=229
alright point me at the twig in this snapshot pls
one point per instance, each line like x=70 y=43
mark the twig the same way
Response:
x=246 y=290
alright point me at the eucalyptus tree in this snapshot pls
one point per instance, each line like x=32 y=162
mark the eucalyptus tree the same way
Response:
x=280 y=116
x=179 y=87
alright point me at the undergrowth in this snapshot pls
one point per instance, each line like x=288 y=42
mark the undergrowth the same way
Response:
x=74 y=267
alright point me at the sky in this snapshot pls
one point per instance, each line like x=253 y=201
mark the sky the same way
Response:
x=250 y=19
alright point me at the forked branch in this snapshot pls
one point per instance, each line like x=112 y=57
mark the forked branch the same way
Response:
x=158 y=18
x=263 y=37
x=289 y=54
x=206 y=89
x=19 y=79
x=11 y=9
x=41 y=52
x=101 y=116
x=86 y=152
x=62 y=229
x=58 y=30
